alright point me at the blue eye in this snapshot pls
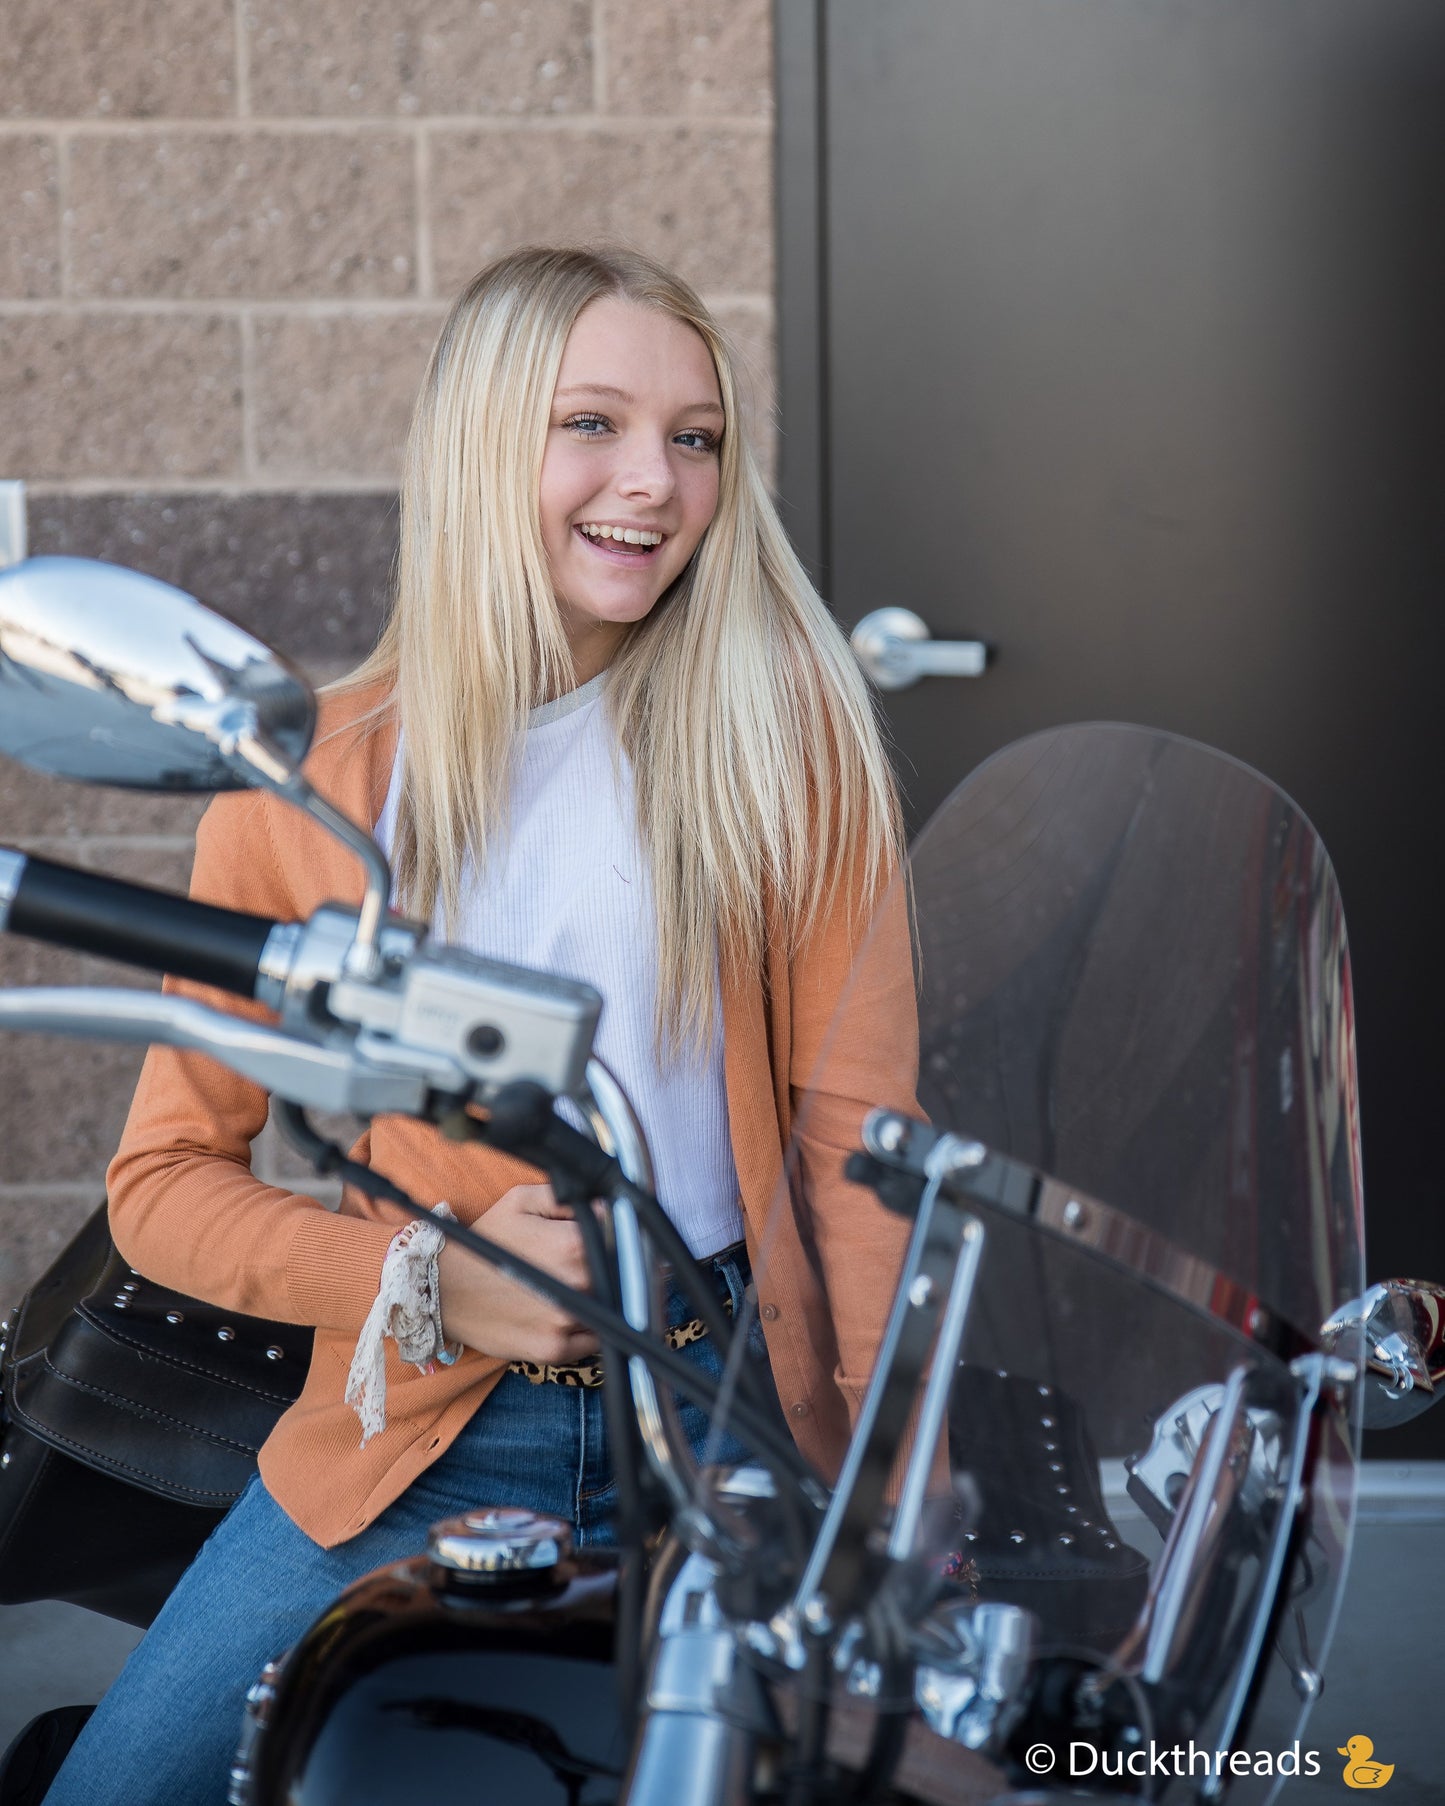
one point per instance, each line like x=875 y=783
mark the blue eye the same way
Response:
x=703 y=440
x=583 y=425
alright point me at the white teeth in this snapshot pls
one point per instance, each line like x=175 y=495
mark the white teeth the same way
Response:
x=632 y=536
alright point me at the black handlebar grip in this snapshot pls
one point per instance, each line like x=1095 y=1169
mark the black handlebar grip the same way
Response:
x=91 y=913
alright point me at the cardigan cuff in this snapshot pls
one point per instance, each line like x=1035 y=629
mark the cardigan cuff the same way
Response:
x=333 y=1268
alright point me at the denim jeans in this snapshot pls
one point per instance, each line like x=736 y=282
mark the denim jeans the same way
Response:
x=165 y=1733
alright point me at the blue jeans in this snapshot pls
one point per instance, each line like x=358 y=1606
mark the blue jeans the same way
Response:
x=165 y=1733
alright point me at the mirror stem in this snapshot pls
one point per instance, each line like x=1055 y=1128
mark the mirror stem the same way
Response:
x=363 y=958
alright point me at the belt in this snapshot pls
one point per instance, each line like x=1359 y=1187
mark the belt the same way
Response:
x=589 y=1372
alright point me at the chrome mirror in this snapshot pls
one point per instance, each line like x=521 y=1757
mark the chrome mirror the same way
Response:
x=112 y=677
x=1397 y=1331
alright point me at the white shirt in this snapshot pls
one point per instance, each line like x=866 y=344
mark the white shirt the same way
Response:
x=567 y=889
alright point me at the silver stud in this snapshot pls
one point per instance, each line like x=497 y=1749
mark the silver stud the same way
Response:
x=1109 y=1543
x=225 y=1335
x=1000 y=1373
x=1066 y=1539
x=1047 y=1423
x=130 y=1286
x=273 y=1353
x=1051 y=1448
x=1084 y=1524
x=5 y=1459
x=1046 y=1391
x=1056 y=1467
x=1062 y=1491
x=970 y=1536
x=1016 y=1536
x=1074 y=1214
x=1073 y=1512
x=175 y=1316
x=135 y=1273
x=122 y=1303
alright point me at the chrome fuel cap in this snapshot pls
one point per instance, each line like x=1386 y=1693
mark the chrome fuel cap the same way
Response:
x=500 y=1540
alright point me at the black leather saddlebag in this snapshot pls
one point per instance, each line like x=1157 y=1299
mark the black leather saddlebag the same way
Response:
x=131 y=1419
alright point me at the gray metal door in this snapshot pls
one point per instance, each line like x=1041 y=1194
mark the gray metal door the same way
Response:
x=1112 y=336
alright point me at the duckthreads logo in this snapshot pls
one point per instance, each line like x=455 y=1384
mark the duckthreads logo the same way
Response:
x=1361 y=1769
x=1165 y=1760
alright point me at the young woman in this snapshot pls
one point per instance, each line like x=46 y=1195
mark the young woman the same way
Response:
x=610 y=731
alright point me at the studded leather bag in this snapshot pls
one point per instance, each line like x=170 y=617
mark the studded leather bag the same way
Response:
x=131 y=1420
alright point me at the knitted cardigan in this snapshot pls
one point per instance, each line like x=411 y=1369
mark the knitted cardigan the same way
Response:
x=186 y=1209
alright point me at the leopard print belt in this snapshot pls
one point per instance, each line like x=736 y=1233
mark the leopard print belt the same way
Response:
x=589 y=1372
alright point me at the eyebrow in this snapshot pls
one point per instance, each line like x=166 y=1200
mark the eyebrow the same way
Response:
x=696 y=407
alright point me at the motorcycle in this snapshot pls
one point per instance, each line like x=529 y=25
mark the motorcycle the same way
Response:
x=1089 y=1530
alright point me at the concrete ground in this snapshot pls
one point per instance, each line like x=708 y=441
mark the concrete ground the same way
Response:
x=1379 y=1680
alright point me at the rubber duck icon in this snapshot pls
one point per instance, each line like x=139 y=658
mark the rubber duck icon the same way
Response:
x=1360 y=1771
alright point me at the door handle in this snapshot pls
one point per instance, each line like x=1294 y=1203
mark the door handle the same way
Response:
x=895 y=649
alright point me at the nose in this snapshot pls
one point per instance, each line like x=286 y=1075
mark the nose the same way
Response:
x=646 y=472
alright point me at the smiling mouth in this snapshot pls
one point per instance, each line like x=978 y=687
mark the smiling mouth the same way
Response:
x=617 y=551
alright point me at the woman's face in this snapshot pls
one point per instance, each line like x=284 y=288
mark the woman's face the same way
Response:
x=632 y=448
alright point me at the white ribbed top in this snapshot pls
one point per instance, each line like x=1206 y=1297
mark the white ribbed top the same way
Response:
x=569 y=891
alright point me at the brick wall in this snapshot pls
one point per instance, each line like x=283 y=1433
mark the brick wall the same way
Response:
x=229 y=230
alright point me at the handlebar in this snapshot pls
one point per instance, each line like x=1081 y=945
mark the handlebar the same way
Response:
x=91 y=913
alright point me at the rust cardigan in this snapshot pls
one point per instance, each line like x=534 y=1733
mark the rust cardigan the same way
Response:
x=186 y=1209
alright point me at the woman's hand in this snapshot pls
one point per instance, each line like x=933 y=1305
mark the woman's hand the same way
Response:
x=495 y=1315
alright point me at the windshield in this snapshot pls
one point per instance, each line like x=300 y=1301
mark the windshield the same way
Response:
x=1131 y=980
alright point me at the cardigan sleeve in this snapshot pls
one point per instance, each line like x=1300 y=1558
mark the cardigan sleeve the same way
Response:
x=854 y=1047
x=185 y=1207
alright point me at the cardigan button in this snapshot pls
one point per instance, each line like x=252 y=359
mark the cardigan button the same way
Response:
x=770 y=1313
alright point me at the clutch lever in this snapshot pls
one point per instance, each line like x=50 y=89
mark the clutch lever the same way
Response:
x=327 y=1073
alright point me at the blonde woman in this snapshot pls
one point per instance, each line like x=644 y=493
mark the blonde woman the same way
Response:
x=610 y=730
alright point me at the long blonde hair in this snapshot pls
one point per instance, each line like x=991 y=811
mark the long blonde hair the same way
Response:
x=760 y=778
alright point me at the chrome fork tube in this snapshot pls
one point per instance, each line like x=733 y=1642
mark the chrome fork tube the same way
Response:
x=614 y=1124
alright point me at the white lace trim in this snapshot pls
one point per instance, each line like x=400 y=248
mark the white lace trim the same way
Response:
x=408 y=1309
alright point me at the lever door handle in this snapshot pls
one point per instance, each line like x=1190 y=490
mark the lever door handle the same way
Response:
x=895 y=649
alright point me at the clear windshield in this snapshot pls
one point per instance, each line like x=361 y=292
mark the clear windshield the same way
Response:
x=1131 y=978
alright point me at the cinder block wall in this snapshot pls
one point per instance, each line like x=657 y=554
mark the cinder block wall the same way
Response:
x=229 y=230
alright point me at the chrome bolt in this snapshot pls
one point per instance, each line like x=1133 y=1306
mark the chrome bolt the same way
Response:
x=817 y=1617
x=890 y=1134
